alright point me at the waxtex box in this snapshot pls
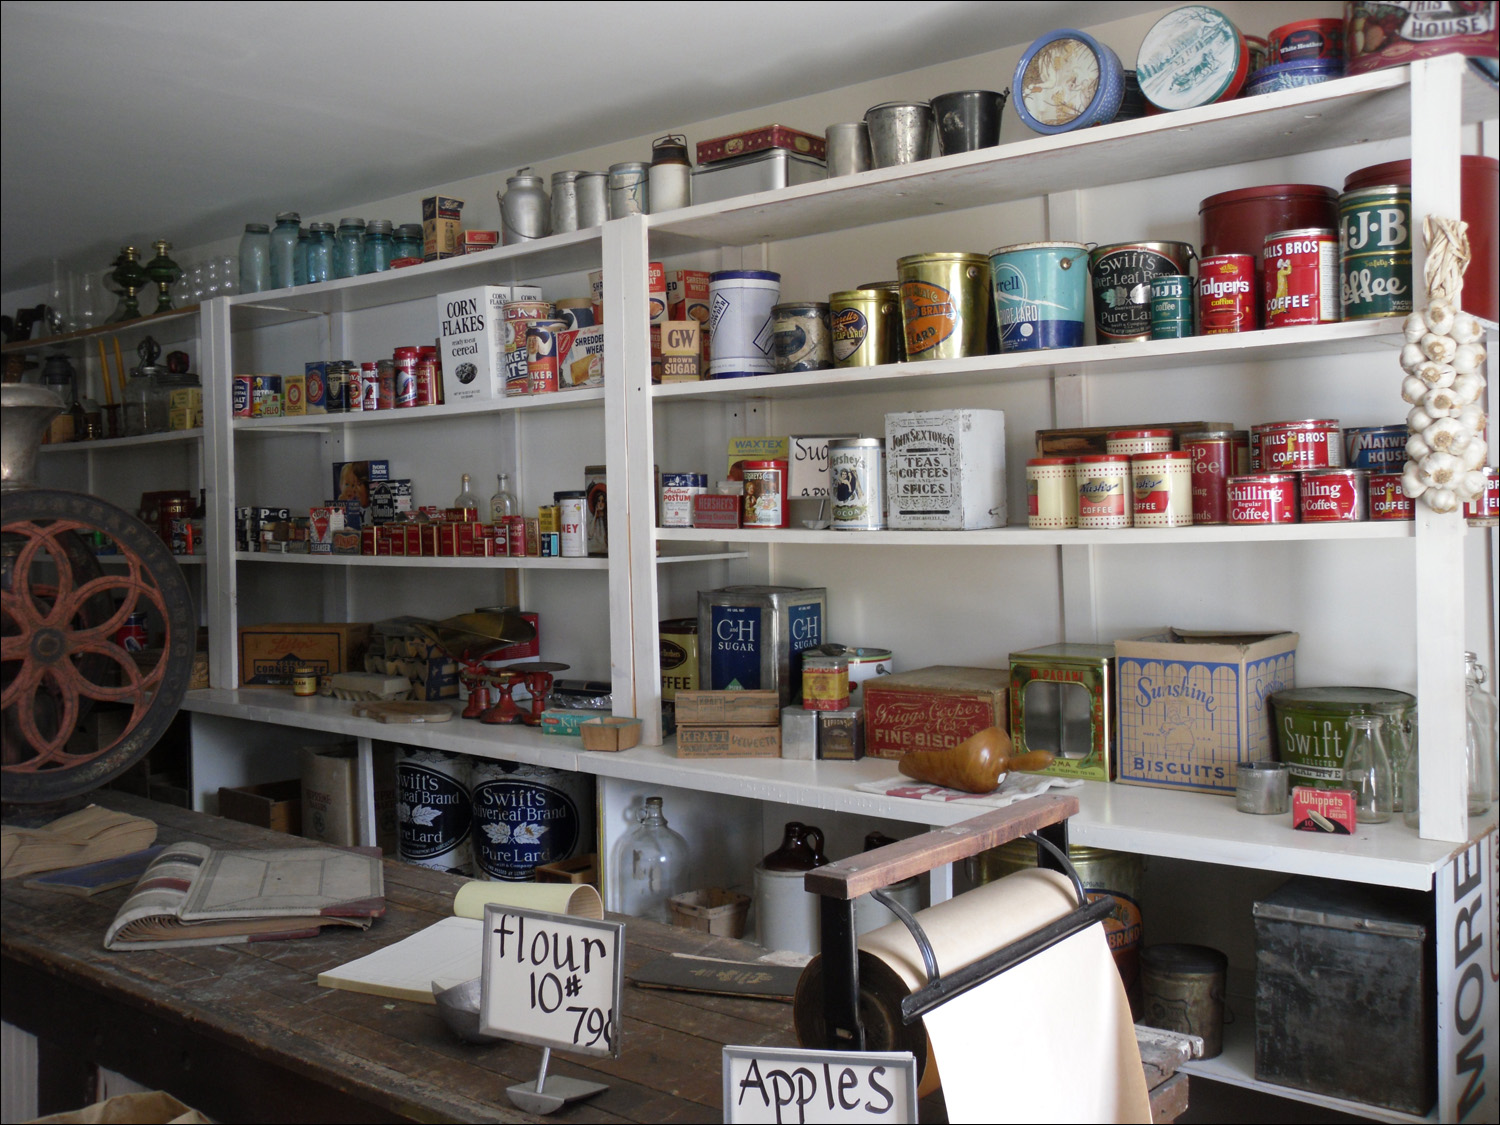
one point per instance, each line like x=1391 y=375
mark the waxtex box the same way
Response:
x=1194 y=705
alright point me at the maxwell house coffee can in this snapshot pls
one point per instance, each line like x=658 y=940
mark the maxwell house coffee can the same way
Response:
x=1381 y=449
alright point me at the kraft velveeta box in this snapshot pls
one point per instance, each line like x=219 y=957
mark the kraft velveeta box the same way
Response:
x=728 y=708
x=1194 y=705
x=270 y=654
x=728 y=742
x=933 y=708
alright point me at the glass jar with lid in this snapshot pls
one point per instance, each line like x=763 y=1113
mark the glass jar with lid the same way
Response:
x=349 y=253
x=255 y=258
x=284 y=249
x=407 y=242
x=378 y=249
x=320 y=253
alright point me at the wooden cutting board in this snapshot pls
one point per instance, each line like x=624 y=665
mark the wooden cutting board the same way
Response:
x=405 y=711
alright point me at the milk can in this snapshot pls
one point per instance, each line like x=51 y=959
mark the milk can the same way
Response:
x=523 y=208
x=593 y=199
x=565 y=201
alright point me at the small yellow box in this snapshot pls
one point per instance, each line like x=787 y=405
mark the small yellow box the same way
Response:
x=294 y=394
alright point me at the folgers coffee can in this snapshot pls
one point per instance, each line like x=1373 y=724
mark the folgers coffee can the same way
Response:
x=945 y=302
x=1052 y=492
x=1131 y=442
x=1040 y=291
x=764 y=502
x=1387 y=501
x=1216 y=455
x=865 y=326
x=1484 y=509
x=1262 y=498
x=800 y=337
x=1122 y=276
x=1333 y=495
x=856 y=476
x=1227 y=294
x=1312 y=443
x=1301 y=277
x=1171 y=307
x=1162 y=487
x=1104 y=497
x=1381 y=449
x=1375 y=252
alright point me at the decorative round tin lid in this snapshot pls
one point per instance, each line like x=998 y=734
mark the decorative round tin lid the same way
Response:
x=1192 y=56
x=1351 y=700
x=1066 y=78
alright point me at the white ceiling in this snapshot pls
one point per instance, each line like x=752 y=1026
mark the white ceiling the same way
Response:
x=128 y=122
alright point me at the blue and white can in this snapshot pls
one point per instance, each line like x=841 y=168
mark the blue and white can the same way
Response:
x=740 y=323
x=1041 y=290
x=677 y=492
x=1291 y=75
x=1381 y=449
x=1067 y=80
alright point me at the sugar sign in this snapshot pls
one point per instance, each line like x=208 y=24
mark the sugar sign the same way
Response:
x=793 y=1087
x=552 y=980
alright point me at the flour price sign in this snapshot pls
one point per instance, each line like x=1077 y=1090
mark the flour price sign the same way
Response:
x=795 y=1087
x=552 y=980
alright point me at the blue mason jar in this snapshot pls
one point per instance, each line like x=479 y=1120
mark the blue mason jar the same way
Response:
x=379 y=250
x=255 y=258
x=409 y=241
x=349 y=253
x=321 y=251
x=304 y=241
x=284 y=250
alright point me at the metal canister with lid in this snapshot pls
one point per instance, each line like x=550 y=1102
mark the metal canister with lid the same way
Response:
x=593 y=199
x=1312 y=733
x=1132 y=442
x=865 y=326
x=629 y=189
x=800 y=337
x=1104 y=490
x=764 y=502
x=564 y=201
x=1051 y=492
x=1375 y=252
x=856 y=476
x=524 y=209
x=1300 y=271
x=1182 y=989
x=945 y=301
x=892 y=289
x=1162 y=484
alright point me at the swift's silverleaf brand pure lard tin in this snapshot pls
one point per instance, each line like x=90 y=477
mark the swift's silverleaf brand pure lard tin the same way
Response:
x=1104 y=497
x=1122 y=276
x=1375 y=252
x=945 y=469
x=1301 y=274
x=1333 y=495
x=434 y=815
x=856 y=477
x=752 y=637
x=1262 y=498
x=1377 y=448
x=527 y=815
x=944 y=304
x=1051 y=492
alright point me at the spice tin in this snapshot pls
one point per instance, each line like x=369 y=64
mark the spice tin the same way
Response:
x=800 y=337
x=526 y=815
x=1262 y=498
x=739 y=322
x=1131 y=442
x=944 y=304
x=1227 y=294
x=241 y=398
x=1122 y=276
x=1308 y=39
x=542 y=338
x=1162 y=484
x=570 y=516
x=434 y=815
x=1171 y=307
x=1217 y=455
x=1040 y=291
x=1104 y=491
x=1381 y=449
x=825 y=682
x=1311 y=727
x=1313 y=443
x=315 y=392
x=406 y=377
x=1375 y=252
x=1387 y=500
x=1068 y=80
x=1484 y=509
x=1292 y=76
x=1051 y=492
x=864 y=325
x=1301 y=277
x=1333 y=495
x=765 y=495
x=1192 y=56
x=677 y=492
x=753 y=637
x=856 y=476
x=678 y=640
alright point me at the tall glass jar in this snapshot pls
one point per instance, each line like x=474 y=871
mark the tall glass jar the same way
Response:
x=284 y=249
x=651 y=866
x=407 y=241
x=378 y=247
x=1367 y=770
x=350 y=253
x=321 y=251
x=299 y=259
x=1480 y=727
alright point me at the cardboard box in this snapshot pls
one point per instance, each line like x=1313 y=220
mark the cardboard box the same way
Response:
x=276 y=805
x=945 y=469
x=687 y=299
x=269 y=654
x=1193 y=705
x=440 y=221
x=477 y=241
x=681 y=351
x=471 y=341
x=933 y=708
x=713 y=510
x=328 y=801
x=755 y=449
x=580 y=358
x=808 y=468
x=728 y=708
x=353 y=480
x=728 y=742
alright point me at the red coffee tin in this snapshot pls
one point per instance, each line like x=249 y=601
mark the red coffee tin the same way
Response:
x=1226 y=294
x=1484 y=509
x=1263 y=498
x=1301 y=277
x=1333 y=495
x=1312 y=443
x=1386 y=501
x=1307 y=39
x=1237 y=222
x=1104 y=491
x=1216 y=455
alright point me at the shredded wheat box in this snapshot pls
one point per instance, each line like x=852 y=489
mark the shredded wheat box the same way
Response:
x=1194 y=705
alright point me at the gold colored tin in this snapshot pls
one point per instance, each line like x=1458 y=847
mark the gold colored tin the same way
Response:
x=866 y=327
x=945 y=304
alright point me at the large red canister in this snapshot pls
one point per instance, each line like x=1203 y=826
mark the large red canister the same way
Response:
x=1237 y=222
x=1310 y=443
x=1479 y=203
x=1216 y=455
x=1333 y=495
x=1263 y=498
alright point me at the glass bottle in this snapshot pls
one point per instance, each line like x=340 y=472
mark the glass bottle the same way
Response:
x=299 y=257
x=1367 y=770
x=466 y=497
x=652 y=866
x=255 y=258
x=503 y=503
x=130 y=277
x=350 y=253
x=164 y=272
x=1411 y=797
x=228 y=273
x=408 y=241
x=1480 y=736
x=321 y=251
x=284 y=249
x=378 y=248
x=137 y=404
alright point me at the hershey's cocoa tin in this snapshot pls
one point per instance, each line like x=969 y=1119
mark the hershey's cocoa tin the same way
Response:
x=1387 y=501
x=1162 y=487
x=1301 y=271
x=1333 y=495
x=1104 y=490
x=1216 y=455
x=856 y=477
x=1131 y=442
x=1263 y=498
x=1226 y=294
x=1052 y=492
x=765 y=495
x=1312 y=443
x=1381 y=449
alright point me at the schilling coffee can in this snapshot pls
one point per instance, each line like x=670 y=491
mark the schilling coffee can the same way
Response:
x=1312 y=443
x=1171 y=307
x=1131 y=442
x=1301 y=270
x=1052 y=492
x=1162 y=487
x=1263 y=498
x=1387 y=501
x=856 y=477
x=1216 y=455
x=1103 y=490
x=1226 y=294
x=1375 y=252
x=1381 y=449
x=1333 y=495
x=1122 y=276
x=764 y=502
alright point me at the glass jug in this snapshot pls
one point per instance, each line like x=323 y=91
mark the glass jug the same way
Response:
x=652 y=866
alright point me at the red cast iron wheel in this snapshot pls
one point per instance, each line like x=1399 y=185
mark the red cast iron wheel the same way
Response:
x=58 y=656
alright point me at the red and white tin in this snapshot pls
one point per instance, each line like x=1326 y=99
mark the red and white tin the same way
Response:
x=764 y=501
x=1132 y=442
x=1301 y=271
x=1052 y=492
x=1484 y=509
x=1386 y=500
x=1216 y=455
x=1311 y=443
x=1333 y=495
x=1263 y=498
x=1162 y=484
x=1104 y=491
x=1226 y=294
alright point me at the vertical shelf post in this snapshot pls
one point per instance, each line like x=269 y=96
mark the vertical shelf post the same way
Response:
x=220 y=589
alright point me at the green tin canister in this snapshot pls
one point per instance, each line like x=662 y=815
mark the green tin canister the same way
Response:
x=1375 y=252
x=1312 y=732
x=945 y=304
x=866 y=327
x=1172 y=307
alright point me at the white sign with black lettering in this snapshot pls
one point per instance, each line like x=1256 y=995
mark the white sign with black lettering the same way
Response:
x=1468 y=969
x=794 y=1087
x=552 y=980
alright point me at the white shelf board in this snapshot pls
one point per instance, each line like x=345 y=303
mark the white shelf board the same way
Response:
x=1064 y=537
x=323 y=423
x=104 y=445
x=1366 y=107
x=153 y=321
x=424 y=562
x=182 y=560
x=1150 y=356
